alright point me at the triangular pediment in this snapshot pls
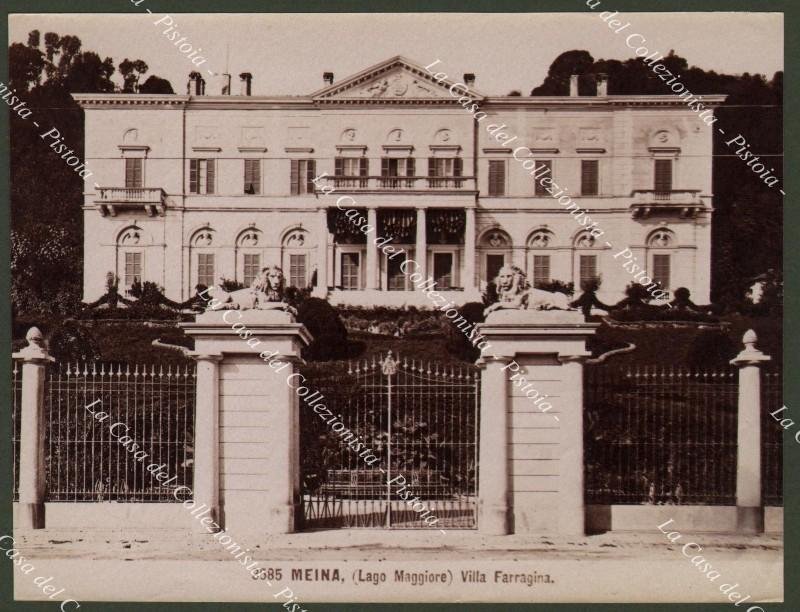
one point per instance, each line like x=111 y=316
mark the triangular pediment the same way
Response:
x=395 y=80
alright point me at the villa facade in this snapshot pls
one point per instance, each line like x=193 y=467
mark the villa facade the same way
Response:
x=191 y=189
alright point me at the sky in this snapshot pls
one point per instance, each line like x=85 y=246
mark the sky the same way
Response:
x=287 y=53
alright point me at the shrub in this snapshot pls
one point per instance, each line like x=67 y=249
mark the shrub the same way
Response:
x=324 y=324
x=711 y=347
x=70 y=341
x=556 y=286
x=458 y=343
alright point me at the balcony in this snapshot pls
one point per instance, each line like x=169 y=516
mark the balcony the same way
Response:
x=153 y=200
x=382 y=184
x=685 y=203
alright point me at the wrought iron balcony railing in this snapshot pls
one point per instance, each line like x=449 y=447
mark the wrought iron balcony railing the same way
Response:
x=153 y=200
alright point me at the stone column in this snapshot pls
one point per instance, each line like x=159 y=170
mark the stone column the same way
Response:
x=372 y=251
x=537 y=403
x=321 y=290
x=252 y=450
x=494 y=479
x=421 y=246
x=206 y=436
x=572 y=518
x=30 y=514
x=471 y=291
x=749 y=505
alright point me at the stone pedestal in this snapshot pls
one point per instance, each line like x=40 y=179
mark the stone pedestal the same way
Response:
x=531 y=450
x=247 y=438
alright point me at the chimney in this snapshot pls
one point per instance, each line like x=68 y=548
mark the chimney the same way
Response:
x=246 y=82
x=201 y=86
x=226 y=84
x=328 y=78
x=469 y=79
x=573 y=85
x=602 y=84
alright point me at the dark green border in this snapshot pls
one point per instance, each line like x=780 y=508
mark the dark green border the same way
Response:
x=791 y=12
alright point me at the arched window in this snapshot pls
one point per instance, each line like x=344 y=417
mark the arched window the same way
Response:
x=495 y=248
x=295 y=259
x=131 y=244
x=661 y=245
x=249 y=255
x=540 y=261
x=586 y=264
x=203 y=257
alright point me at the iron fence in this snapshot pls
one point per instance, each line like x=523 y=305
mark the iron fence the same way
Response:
x=87 y=459
x=658 y=435
x=771 y=440
x=419 y=420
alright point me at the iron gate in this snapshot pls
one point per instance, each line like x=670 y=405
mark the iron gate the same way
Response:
x=419 y=422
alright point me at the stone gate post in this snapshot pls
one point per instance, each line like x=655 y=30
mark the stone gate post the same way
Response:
x=749 y=505
x=531 y=437
x=30 y=513
x=247 y=444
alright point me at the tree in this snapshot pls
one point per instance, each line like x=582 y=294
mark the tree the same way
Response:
x=156 y=85
x=131 y=71
x=558 y=76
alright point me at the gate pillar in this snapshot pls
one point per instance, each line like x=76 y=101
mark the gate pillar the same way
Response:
x=252 y=465
x=536 y=462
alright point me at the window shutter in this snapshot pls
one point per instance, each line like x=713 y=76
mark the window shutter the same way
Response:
x=663 y=175
x=210 y=175
x=311 y=170
x=194 y=164
x=497 y=177
x=295 y=176
x=338 y=167
x=589 y=176
x=431 y=166
x=458 y=166
x=410 y=167
x=364 y=166
x=129 y=173
x=384 y=166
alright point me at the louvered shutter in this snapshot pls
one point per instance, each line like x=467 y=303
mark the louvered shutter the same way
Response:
x=364 y=167
x=589 y=177
x=663 y=176
x=458 y=166
x=295 y=176
x=385 y=166
x=338 y=167
x=497 y=177
x=210 y=175
x=194 y=187
x=311 y=172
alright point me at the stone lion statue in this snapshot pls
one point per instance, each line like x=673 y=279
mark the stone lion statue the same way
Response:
x=266 y=292
x=515 y=293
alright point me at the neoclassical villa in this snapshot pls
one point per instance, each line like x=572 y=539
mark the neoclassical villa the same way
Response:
x=190 y=189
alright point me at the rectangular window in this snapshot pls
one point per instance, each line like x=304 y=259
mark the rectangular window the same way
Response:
x=588 y=267
x=395 y=279
x=133 y=268
x=252 y=267
x=443 y=270
x=497 y=177
x=393 y=168
x=590 y=177
x=351 y=171
x=252 y=176
x=538 y=188
x=351 y=271
x=202 y=176
x=663 y=177
x=493 y=264
x=445 y=172
x=133 y=173
x=303 y=174
x=661 y=270
x=205 y=269
x=297 y=271
x=541 y=269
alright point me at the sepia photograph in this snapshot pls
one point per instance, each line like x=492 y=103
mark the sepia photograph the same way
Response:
x=320 y=310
